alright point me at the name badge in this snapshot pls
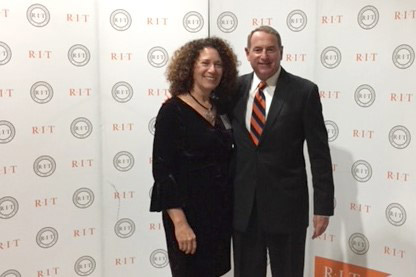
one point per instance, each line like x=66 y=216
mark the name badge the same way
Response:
x=226 y=121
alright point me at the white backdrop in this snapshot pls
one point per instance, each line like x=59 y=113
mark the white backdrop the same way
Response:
x=81 y=83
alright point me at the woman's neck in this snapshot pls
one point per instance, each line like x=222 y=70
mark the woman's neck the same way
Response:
x=200 y=95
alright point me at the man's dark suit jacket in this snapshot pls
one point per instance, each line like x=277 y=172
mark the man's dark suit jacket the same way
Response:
x=273 y=174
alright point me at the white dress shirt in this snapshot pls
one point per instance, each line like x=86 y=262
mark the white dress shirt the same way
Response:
x=268 y=93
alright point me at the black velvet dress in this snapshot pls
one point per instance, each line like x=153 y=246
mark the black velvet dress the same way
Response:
x=191 y=171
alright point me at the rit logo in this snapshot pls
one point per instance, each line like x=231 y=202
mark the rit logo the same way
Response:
x=121 y=56
x=365 y=57
x=155 y=226
x=363 y=134
x=401 y=97
x=82 y=163
x=43 y=130
x=157 y=21
x=125 y=261
x=402 y=15
x=48 y=272
x=362 y=208
x=4 y=170
x=84 y=232
x=6 y=92
x=81 y=18
x=4 y=13
x=80 y=91
x=40 y=54
x=122 y=127
x=329 y=94
x=45 y=202
x=394 y=252
x=331 y=19
x=397 y=176
x=124 y=195
x=261 y=21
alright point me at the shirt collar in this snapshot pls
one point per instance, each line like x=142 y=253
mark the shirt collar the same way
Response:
x=271 y=82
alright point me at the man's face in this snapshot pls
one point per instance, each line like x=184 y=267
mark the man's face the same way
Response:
x=264 y=54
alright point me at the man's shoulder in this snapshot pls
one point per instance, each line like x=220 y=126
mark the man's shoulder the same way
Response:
x=243 y=81
x=245 y=78
x=296 y=79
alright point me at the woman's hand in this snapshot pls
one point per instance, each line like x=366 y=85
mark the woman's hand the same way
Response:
x=184 y=234
x=186 y=238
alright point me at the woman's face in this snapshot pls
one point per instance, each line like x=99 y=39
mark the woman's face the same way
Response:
x=208 y=70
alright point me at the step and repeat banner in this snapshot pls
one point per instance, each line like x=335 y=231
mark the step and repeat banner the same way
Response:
x=81 y=83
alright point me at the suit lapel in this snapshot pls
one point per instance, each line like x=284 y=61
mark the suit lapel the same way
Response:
x=241 y=105
x=280 y=94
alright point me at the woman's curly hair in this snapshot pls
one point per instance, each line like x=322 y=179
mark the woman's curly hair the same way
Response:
x=181 y=67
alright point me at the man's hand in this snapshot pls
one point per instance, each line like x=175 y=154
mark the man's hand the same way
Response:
x=320 y=223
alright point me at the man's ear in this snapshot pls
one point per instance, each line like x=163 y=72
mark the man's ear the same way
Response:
x=246 y=50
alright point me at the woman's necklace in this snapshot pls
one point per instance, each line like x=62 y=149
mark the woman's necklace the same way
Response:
x=209 y=114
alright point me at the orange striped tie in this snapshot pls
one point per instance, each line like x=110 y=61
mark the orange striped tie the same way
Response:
x=258 y=116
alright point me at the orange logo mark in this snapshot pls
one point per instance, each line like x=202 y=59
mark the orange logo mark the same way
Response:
x=330 y=268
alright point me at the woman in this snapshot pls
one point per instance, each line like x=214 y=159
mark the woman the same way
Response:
x=191 y=152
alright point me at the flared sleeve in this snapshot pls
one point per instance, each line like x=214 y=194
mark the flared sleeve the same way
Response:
x=168 y=192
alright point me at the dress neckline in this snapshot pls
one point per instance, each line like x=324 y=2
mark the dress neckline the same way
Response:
x=197 y=113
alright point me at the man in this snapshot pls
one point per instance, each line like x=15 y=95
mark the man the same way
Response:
x=271 y=209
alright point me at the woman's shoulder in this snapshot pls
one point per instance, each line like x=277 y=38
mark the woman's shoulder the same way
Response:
x=170 y=103
x=171 y=107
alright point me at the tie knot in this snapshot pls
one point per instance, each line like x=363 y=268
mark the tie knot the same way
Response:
x=262 y=85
